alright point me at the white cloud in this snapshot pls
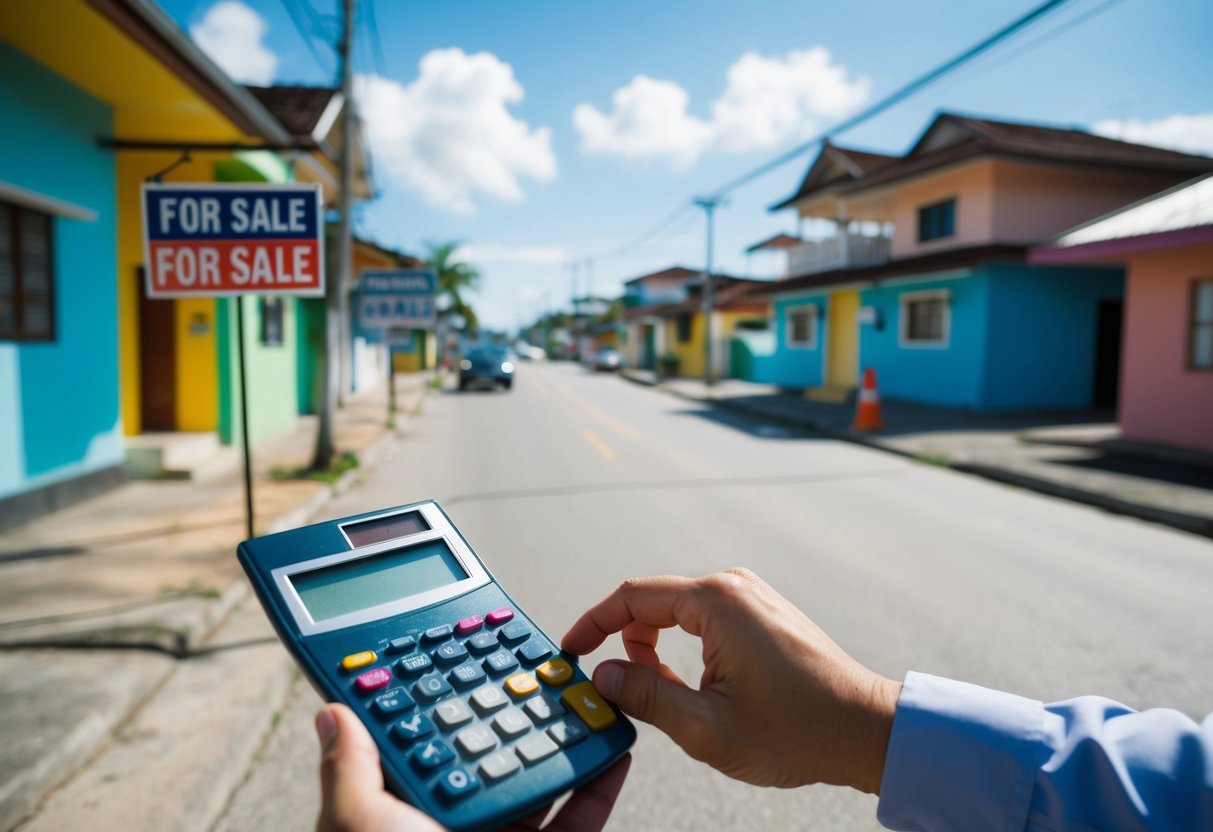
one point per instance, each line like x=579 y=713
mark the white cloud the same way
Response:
x=1188 y=133
x=449 y=135
x=766 y=101
x=529 y=255
x=230 y=34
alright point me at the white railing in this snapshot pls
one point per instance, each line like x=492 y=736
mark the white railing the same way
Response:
x=845 y=251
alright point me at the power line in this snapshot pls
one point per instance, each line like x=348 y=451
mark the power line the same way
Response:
x=376 y=42
x=648 y=235
x=898 y=95
x=310 y=30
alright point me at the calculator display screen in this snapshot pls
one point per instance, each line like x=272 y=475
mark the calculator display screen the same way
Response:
x=380 y=529
x=355 y=585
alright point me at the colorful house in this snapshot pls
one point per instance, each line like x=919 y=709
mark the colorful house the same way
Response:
x=644 y=331
x=923 y=275
x=1165 y=243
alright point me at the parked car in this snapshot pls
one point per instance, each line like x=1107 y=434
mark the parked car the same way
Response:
x=607 y=359
x=529 y=352
x=486 y=366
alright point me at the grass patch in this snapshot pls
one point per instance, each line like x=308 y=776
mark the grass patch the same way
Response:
x=435 y=383
x=942 y=460
x=344 y=461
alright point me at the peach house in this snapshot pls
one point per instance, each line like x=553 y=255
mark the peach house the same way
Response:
x=1165 y=244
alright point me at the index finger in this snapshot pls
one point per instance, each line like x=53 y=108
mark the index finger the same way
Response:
x=663 y=601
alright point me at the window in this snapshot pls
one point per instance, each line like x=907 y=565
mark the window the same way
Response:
x=271 y=321
x=937 y=220
x=802 y=327
x=1200 y=351
x=684 y=328
x=27 y=298
x=925 y=319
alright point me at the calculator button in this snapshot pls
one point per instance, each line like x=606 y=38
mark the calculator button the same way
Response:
x=542 y=708
x=498 y=766
x=482 y=643
x=414 y=664
x=412 y=728
x=583 y=698
x=373 y=680
x=535 y=748
x=500 y=616
x=521 y=684
x=356 y=660
x=555 y=672
x=511 y=723
x=393 y=702
x=401 y=645
x=516 y=631
x=433 y=754
x=502 y=661
x=467 y=675
x=469 y=625
x=431 y=687
x=451 y=714
x=451 y=653
x=488 y=699
x=568 y=732
x=456 y=784
x=440 y=633
x=474 y=741
x=535 y=650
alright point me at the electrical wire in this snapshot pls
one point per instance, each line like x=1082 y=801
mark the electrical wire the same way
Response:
x=310 y=30
x=372 y=25
x=647 y=236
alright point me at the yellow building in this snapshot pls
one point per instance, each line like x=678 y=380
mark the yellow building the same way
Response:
x=683 y=331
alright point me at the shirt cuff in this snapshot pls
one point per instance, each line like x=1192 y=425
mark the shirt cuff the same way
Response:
x=960 y=757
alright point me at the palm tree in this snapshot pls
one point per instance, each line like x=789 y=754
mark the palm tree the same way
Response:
x=454 y=278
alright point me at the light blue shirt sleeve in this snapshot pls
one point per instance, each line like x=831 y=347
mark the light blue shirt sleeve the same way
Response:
x=964 y=758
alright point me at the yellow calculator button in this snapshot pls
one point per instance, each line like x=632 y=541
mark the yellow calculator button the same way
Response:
x=555 y=673
x=356 y=660
x=592 y=708
x=521 y=684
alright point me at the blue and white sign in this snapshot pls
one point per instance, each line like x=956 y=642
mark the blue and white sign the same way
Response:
x=399 y=299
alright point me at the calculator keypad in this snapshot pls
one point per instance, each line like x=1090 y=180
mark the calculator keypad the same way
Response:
x=469 y=713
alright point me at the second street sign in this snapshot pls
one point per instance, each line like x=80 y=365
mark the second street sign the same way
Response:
x=398 y=299
x=207 y=240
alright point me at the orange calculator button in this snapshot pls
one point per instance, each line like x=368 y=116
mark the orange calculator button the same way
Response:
x=555 y=672
x=521 y=684
x=356 y=660
x=583 y=698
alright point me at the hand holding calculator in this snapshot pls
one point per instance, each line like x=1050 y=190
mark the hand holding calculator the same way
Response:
x=478 y=718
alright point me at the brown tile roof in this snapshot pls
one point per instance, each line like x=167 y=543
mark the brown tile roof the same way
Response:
x=855 y=164
x=733 y=294
x=297 y=108
x=665 y=275
x=405 y=261
x=779 y=241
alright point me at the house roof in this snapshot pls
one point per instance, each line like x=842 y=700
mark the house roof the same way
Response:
x=776 y=243
x=935 y=262
x=301 y=110
x=834 y=166
x=672 y=274
x=953 y=137
x=1182 y=215
x=733 y=294
x=405 y=261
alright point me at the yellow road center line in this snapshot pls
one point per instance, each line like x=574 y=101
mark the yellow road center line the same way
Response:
x=597 y=415
x=604 y=450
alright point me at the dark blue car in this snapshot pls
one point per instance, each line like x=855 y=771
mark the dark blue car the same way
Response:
x=486 y=366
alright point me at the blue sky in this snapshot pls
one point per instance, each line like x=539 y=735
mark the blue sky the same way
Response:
x=475 y=138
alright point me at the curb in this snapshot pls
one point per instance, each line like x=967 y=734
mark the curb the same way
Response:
x=1191 y=523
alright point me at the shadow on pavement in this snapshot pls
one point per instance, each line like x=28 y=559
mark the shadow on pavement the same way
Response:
x=1177 y=473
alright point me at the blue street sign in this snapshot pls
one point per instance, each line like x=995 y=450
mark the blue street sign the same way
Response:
x=398 y=299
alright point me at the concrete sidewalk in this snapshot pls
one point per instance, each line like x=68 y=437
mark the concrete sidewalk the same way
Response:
x=129 y=581
x=1076 y=456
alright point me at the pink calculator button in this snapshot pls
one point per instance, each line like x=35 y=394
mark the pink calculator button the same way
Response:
x=469 y=625
x=373 y=680
x=499 y=616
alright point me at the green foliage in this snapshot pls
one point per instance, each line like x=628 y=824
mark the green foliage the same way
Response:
x=454 y=278
x=345 y=461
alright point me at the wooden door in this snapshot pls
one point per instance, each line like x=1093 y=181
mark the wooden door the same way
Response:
x=157 y=360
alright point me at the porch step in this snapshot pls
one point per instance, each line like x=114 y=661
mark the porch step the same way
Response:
x=173 y=455
x=833 y=395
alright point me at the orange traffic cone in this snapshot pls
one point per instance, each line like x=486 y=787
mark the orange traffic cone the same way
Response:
x=867 y=411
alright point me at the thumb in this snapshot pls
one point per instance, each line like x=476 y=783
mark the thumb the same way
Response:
x=647 y=695
x=350 y=777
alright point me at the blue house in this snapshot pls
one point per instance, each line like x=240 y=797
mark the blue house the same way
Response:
x=918 y=268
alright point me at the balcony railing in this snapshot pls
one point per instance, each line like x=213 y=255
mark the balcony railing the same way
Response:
x=845 y=251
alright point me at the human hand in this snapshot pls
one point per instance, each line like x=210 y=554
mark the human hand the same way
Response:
x=779 y=704
x=353 y=798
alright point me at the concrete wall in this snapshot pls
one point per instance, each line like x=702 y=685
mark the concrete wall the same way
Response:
x=1042 y=335
x=970 y=184
x=797 y=366
x=59 y=406
x=1161 y=400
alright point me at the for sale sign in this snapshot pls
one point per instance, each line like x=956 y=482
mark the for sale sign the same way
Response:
x=399 y=299
x=206 y=240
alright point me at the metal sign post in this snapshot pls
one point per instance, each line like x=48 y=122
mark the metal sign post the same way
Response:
x=396 y=302
x=203 y=240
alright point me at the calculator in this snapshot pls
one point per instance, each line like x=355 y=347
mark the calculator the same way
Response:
x=479 y=718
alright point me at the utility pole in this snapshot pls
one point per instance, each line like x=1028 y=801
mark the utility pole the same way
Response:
x=708 y=204
x=336 y=307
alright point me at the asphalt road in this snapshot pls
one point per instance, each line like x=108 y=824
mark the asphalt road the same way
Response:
x=573 y=481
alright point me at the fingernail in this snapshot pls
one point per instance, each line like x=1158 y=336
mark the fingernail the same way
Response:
x=607 y=678
x=326 y=727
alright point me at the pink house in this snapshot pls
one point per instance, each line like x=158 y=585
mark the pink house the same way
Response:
x=1165 y=243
